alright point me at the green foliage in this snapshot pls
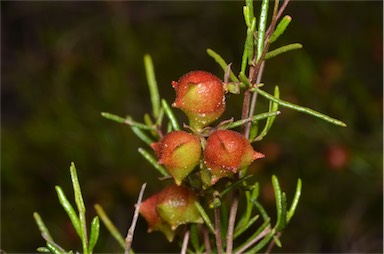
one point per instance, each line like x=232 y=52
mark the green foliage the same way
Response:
x=78 y=220
x=74 y=66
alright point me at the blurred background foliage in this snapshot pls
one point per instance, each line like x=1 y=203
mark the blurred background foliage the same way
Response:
x=65 y=62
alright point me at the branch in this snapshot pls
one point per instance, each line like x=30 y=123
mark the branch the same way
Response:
x=231 y=222
x=129 y=238
x=219 y=244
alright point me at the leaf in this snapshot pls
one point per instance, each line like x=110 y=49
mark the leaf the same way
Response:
x=110 y=226
x=171 y=116
x=295 y=201
x=254 y=118
x=261 y=30
x=94 y=235
x=195 y=237
x=282 y=49
x=283 y=24
x=299 y=108
x=281 y=204
x=69 y=209
x=222 y=64
x=81 y=208
x=152 y=84
x=43 y=229
x=205 y=217
x=273 y=107
x=153 y=162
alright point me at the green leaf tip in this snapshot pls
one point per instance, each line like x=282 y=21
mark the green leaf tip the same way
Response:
x=152 y=84
x=295 y=201
x=283 y=24
x=283 y=49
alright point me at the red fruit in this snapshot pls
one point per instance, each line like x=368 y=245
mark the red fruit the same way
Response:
x=176 y=206
x=226 y=153
x=149 y=212
x=179 y=152
x=200 y=95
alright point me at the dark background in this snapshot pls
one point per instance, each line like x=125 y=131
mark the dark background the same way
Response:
x=65 y=62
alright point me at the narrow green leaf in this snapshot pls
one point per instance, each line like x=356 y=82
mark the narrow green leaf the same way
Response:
x=250 y=13
x=249 y=196
x=280 y=224
x=244 y=245
x=261 y=209
x=153 y=89
x=295 y=201
x=249 y=44
x=43 y=229
x=253 y=131
x=76 y=188
x=262 y=26
x=278 y=197
x=241 y=230
x=110 y=226
x=205 y=217
x=113 y=117
x=171 y=116
x=234 y=185
x=127 y=121
x=262 y=243
x=140 y=134
x=283 y=24
x=135 y=124
x=153 y=161
x=299 y=108
x=69 y=209
x=54 y=249
x=94 y=235
x=159 y=119
x=254 y=118
x=244 y=59
x=222 y=64
x=43 y=250
x=277 y=241
x=282 y=49
x=273 y=107
x=195 y=238
x=246 y=16
x=81 y=208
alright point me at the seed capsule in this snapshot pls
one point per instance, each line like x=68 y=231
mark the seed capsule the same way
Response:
x=148 y=210
x=200 y=95
x=176 y=206
x=179 y=152
x=226 y=153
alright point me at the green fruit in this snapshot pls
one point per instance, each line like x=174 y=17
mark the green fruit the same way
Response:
x=200 y=95
x=226 y=153
x=176 y=206
x=179 y=152
x=148 y=210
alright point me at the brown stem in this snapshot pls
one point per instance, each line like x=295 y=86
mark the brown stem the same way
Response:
x=278 y=16
x=254 y=95
x=263 y=233
x=129 y=238
x=207 y=244
x=185 y=242
x=219 y=244
x=272 y=243
x=232 y=220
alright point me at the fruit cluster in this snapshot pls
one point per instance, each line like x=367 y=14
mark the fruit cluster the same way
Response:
x=201 y=96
